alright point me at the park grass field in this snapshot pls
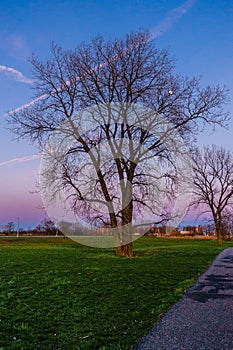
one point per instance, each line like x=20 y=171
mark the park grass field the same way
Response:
x=57 y=294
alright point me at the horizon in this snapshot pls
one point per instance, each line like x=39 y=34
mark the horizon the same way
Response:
x=207 y=50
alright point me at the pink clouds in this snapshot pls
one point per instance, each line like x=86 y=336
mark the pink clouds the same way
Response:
x=172 y=16
x=16 y=74
x=20 y=159
x=28 y=209
x=166 y=24
x=20 y=108
x=19 y=197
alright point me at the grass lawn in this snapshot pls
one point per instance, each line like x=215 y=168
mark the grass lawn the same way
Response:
x=57 y=294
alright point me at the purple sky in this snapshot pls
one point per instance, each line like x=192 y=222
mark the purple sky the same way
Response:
x=198 y=33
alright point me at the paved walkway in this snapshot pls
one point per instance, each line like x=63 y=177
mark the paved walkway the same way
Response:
x=203 y=318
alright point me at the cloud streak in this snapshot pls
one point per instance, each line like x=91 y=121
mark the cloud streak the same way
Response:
x=21 y=159
x=31 y=103
x=16 y=74
x=172 y=16
x=164 y=26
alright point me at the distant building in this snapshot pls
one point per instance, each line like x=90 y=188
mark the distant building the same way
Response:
x=162 y=230
x=103 y=231
x=193 y=230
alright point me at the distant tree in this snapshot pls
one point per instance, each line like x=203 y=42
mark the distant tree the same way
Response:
x=227 y=224
x=10 y=227
x=209 y=227
x=213 y=181
x=48 y=227
x=124 y=71
x=39 y=227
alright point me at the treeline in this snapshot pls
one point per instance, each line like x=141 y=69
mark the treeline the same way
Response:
x=45 y=228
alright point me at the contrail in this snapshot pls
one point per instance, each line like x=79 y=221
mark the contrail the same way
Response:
x=157 y=31
x=27 y=104
x=17 y=74
x=170 y=19
x=172 y=16
x=21 y=159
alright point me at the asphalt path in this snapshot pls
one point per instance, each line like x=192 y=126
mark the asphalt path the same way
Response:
x=203 y=318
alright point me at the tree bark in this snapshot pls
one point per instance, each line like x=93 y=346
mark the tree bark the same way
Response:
x=126 y=247
x=218 y=232
x=219 y=238
x=127 y=250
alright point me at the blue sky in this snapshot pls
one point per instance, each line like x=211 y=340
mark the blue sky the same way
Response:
x=198 y=33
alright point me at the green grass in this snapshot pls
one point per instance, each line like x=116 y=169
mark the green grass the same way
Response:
x=56 y=294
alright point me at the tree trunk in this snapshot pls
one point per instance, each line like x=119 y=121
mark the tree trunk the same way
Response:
x=219 y=237
x=127 y=250
x=118 y=251
x=218 y=232
x=116 y=234
x=125 y=231
x=126 y=247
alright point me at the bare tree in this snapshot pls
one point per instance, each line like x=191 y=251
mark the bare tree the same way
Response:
x=227 y=224
x=48 y=226
x=10 y=227
x=122 y=73
x=213 y=181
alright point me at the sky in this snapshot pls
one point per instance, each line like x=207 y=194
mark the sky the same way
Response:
x=199 y=34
